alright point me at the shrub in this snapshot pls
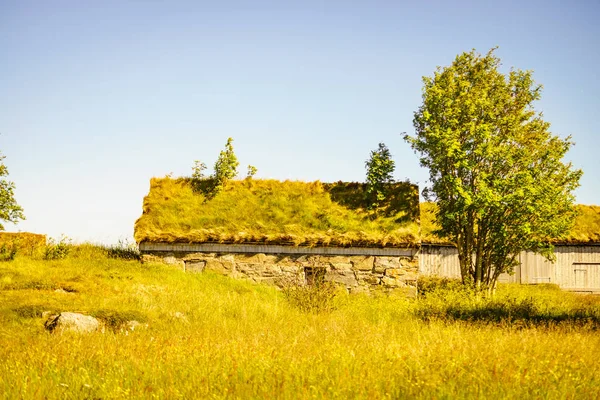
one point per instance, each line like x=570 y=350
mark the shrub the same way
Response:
x=56 y=250
x=124 y=250
x=315 y=298
x=8 y=253
x=431 y=284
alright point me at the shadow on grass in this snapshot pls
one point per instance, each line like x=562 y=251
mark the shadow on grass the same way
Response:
x=401 y=198
x=525 y=313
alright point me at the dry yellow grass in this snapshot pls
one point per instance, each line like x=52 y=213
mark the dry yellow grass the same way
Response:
x=210 y=336
x=24 y=242
x=585 y=230
x=275 y=212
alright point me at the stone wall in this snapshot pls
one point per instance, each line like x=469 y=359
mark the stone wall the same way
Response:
x=355 y=272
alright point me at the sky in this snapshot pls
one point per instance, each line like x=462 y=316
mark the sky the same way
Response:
x=98 y=97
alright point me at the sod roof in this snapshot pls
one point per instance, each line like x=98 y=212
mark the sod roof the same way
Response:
x=276 y=212
x=585 y=230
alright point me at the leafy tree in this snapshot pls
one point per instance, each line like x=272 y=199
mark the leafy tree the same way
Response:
x=380 y=168
x=496 y=171
x=10 y=211
x=225 y=169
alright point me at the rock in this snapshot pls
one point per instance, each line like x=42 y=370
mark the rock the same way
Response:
x=346 y=278
x=195 y=266
x=174 y=261
x=72 y=322
x=363 y=263
x=395 y=272
x=391 y=282
x=222 y=266
x=180 y=316
x=381 y=263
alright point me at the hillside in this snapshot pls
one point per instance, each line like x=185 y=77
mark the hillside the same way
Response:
x=585 y=230
x=275 y=212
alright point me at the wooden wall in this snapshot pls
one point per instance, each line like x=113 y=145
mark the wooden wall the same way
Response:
x=577 y=267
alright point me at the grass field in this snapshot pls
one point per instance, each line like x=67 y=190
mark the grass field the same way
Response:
x=212 y=337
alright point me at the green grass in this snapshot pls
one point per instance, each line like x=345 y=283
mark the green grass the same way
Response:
x=269 y=211
x=239 y=340
x=586 y=228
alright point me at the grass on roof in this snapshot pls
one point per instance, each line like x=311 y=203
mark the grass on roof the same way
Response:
x=585 y=230
x=275 y=212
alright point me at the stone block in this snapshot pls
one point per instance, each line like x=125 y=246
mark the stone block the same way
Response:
x=382 y=263
x=395 y=272
x=220 y=266
x=195 y=266
x=391 y=282
x=346 y=278
x=362 y=263
x=258 y=258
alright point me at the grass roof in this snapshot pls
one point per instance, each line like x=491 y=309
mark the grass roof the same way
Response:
x=276 y=212
x=585 y=230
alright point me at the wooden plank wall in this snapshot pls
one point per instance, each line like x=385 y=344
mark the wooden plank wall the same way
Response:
x=576 y=267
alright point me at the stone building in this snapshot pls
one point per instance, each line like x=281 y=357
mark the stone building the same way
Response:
x=277 y=232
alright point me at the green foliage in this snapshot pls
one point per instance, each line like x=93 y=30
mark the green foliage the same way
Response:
x=124 y=250
x=225 y=169
x=57 y=249
x=496 y=171
x=198 y=170
x=8 y=252
x=585 y=230
x=252 y=170
x=380 y=169
x=268 y=211
x=10 y=211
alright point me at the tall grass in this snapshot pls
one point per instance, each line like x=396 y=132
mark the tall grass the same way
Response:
x=269 y=211
x=212 y=337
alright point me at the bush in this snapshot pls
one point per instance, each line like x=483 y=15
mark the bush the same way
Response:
x=8 y=253
x=431 y=284
x=314 y=298
x=56 y=250
x=124 y=250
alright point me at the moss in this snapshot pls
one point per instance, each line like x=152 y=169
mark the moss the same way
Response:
x=275 y=212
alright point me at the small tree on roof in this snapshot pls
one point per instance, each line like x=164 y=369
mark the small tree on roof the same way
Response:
x=225 y=169
x=380 y=168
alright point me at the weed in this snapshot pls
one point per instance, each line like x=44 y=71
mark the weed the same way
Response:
x=314 y=297
x=124 y=250
x=57 y=249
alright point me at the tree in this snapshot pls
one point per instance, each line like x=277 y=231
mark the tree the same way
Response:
x=380 y=168
x=10 y=211
x=496 y=171
x=225 y=169
x=226 y=166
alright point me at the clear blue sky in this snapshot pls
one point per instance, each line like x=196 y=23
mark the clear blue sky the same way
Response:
x=97 y=97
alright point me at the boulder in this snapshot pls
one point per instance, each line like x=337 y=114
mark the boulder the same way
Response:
x=72 y=322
